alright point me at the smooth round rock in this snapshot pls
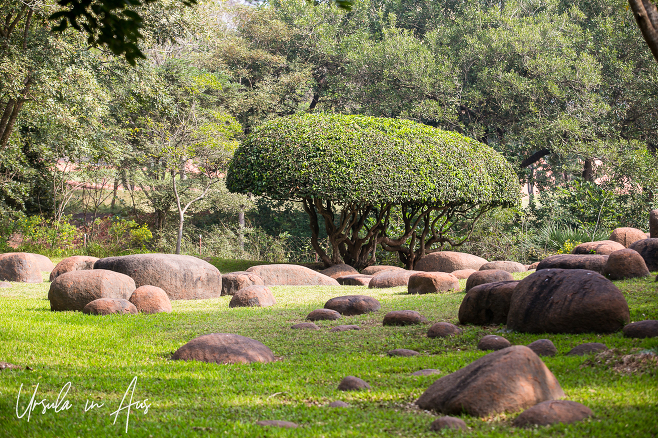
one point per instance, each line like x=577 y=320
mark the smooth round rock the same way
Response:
x=341 y=270
x=353 y=305
x=448 y=423
x=507 y=266
x=506 y=380
x=443 y=330
x=642 y=329
x=151 y=299
x=648 y=249
x=426 y=372
x=449 y=261
x=625 y=263
x=73 y=263
x=483 y=277
x=404 y=317
x=305 y=326
x=604 y=247
x=463 y=274
x=567 y=301
x=224 y=348
x=487 y=303
x=234 y=281
x=291 y=275
x=553 y=412
x=253 y=296
x=354 y=280
x=44 y=263
x=627 y=236
x=338 y=404
x=432 y=283
x=20 y=267
x=351 y=383
x=587 y=348
x=543 y=347
x=110 y=306
x=493 y=342
x=390 y=278
x=372 y=270
x=75 y=289
x=345 y=328
x=593 y=262
x=277 y=423
x=403 y=352
x=653 y=224
x=323 y=315
x=182 y=277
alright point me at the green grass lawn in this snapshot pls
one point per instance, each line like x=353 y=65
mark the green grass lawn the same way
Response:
x=100 y=356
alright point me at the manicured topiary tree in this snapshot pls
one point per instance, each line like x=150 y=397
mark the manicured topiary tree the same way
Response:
x=365 y=174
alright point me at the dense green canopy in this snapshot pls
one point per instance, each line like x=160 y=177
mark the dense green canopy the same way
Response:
x=370 y=160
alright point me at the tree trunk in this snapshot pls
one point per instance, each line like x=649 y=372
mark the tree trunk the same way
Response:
x=241 y=228
x=646 y=16
x=181 y=219
x=114 y=193
x=588 y=170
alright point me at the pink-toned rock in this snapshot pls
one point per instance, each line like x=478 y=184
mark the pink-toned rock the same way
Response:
x=493 y=342
x=449 y=261
x=372 y=270
x=45 y=264
x=234 y=281
x=543 y=347
x=503 y=266
x=602 y=247
x=483 y=277
x=351 y=383
x=404 y=317
x=73 y=263
x=532 y=266
x=151 y=299
x=353 y=305
x=110 y=306
x=323 y=315
x=448 y=423
x=443 y=330
x=20 y=267
x=553 y=412
x=625 y=263
x=463 y=274
x=390 y=278
x=627 y=235
x=75 y=289
x=591 y=262
x=341 y=270
x=291 y=275
x=432 y=282
x=487 y=303
x=224 y=348
x=354 y=280
x=253 y=296
x=506 y=380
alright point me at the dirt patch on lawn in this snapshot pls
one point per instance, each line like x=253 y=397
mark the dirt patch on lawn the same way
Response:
x=636 y=363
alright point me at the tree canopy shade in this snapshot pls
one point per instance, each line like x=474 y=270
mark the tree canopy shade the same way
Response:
x=374 y=180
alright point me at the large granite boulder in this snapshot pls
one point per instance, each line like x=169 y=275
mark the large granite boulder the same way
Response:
x=390 y=278
x=487 y=303
x=648 y=249
x=506 y=380
x=353 y=305
x=593 y=262
x=73 y=263
x=627 y=236
x=341 y=270
x=182 y=277
x=604 y=247
x=432 y=283
x=567 y=301
x=449 y=261
x=503 y=266
x=253 y=296
x=372 y=270
x=234 y=281
x=625 y=263
x=291 y=275
x=484 y=277
x=110 y=306
x=151 y=299
x=224 y=348
x=21 y=267
x=75 y=289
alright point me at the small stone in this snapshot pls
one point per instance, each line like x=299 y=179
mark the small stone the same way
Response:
x=543 y=347
x=338 y=404
x=354 y=280
x=426 y=372
x=353 y=305
x=345 y=328
x=253 y=296
x=277 y=423
x=642 y=329
x=448 y=423
x=443 y=330
x=305 y=326
x=483 y=277
x=323 y=315
x=224 y=348
x=232 y=282
x=587 y=348
x=351 y=383
x=552 y=412
x=109 y=306
x=404 y=317
x=151 y=299
x=403 y=352
x=493 y=342
x=8 y=366
x=390 y=278
x=4 y=284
